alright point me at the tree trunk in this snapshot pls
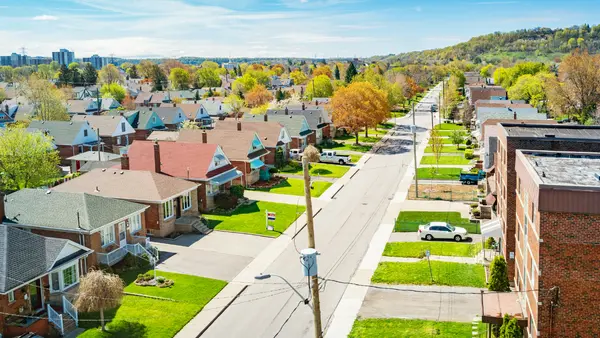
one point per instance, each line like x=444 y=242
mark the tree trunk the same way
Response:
x=366 y=131
x=356 y=138
x=102 y=319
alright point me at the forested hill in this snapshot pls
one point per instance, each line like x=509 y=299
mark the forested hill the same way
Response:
x=540 y=44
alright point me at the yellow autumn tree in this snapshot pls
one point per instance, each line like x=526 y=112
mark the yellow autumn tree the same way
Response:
x=258 y=96
x=323 y=70
x=359 y=105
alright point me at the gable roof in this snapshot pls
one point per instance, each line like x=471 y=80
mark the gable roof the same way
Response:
x=237 y=145
x=140 y=119
x=106 y=124
x=163 y=135
x=158 y=97
x=92 y=156
x=292 y=123
x=167 y=115
x=178 y=159
x=133 y=185
x=143 y=97
x=66 y=210
x=215 y=107
x=63 y=132
x=189 y=109
x=316 y=118
x=25 y=256
x=268 y=132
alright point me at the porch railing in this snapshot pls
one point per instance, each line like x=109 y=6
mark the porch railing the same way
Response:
x=145 y=241
x=56 y=319
x=112 y=257
x=138 y=250
x=70 y=309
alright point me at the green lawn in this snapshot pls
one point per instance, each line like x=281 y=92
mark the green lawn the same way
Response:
x=445 y=160
x=355 y=158
x=449 y=126
x=317 y=169
x=397 y=115
x=444 y=273
x=411 y=328
x=251 y=218
x=295 y=186
x=409 y=221
x=450 y=132
x=146 y=317
x=363 y=148
x=432 y=173
x=448 y=141
x=448 y=149
x=417 y=249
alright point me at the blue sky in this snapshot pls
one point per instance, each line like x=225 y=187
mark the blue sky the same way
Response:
x=261 y=28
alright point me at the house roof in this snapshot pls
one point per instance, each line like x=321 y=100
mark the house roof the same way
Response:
x=494 y=122
x=89 y=166
x=106 y=124
x=163 y=135
x=25 y=256
x=93 y=156
x=134 y=185
x=268 y=132
x=63 y=132
x=109 y=103
x=558 y=131
x=215 y=107
x=66 y=210
x=167 y=115
x=235 y=144
x=316 y=118
x=143 y=96
x=138 y=119
x=158 y=97
x=178 y=159
x=78 y=106
x=292 y=123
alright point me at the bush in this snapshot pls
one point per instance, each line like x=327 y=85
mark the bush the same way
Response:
x=474 y=205
x=160 y=279
x=469 y=154
x=510 y=328
x=469 y=142
x=498 y=275
x=490 y=243
x=237 y=191
x=273 y=170
x=144 y=277
x=226 y=201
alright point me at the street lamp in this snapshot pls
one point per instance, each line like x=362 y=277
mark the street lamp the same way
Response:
x=269 y=275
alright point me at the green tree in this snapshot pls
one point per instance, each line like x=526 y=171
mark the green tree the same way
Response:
x=210 y=65
x=180 y=78
x=298 y=77
x=351 y=72
x=279 y=95
x=49 y=101
x=244 y=83
x=109 y=74
x=531 y=88
x=457 y=138
x=236 y=103
x=319 y=86
x=113 y=90
x=90 y=74
x=486 y=71
x=207 y=77
x=2 y=97
x=133 y=73
x=64 y=76
x=45 y=72
x=158 y=77
x=238 y=70
x=336 y=72
x=27 y=160
x=498 y=275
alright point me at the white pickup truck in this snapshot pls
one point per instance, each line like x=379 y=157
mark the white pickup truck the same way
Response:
x=330 y=156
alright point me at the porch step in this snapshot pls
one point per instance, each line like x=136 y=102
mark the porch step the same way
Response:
x=195 y=223
x=69 y=324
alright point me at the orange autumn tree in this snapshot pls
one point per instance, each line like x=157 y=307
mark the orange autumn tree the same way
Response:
x=128 y=103
x=258 y=96
x=323 y=70
x=359 y=105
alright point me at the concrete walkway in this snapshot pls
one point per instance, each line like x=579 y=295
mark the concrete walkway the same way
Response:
x=452 y=259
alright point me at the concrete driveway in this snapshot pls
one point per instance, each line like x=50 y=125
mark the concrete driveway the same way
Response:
x=219 y=255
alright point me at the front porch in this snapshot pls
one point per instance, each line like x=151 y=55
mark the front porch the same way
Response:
x=139 y=246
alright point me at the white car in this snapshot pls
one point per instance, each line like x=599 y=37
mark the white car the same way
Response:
x=295 y=154
x=442 y=230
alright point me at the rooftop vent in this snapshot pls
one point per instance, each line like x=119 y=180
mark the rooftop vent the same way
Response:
x=550 y=135
x=104 y=169
x=97 y=189
x=543 y=174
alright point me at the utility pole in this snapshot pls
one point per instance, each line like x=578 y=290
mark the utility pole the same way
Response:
x=311 y=244
x=444 y=98
x=414 y=131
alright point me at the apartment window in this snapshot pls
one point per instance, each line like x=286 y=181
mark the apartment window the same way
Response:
x=168 y=209
x=187 y=201
x=135 y=223
x=85 y=133
x=107 y=235
x=123 y=127
x=11 y=297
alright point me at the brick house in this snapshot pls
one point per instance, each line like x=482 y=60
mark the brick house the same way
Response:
x=70 y=137
x=296 y=125
x=318 y=121
x=168 y=198
x=244 y=149
x=171 y=117
x=115 y=132
x=514 y=136
x=273 y=135
x=143 y=121
x=36 y=270
x=557 y=261
x=484 y=92
x=201 y=163
x=106 y=226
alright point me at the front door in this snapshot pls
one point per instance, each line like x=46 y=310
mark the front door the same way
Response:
x=35 y=294
x=122 y=234
x=178 y=207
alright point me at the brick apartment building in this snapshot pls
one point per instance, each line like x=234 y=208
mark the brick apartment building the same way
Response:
x=557 y=257
x=514 y=136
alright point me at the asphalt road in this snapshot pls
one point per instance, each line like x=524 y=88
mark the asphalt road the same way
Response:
x=343 y=230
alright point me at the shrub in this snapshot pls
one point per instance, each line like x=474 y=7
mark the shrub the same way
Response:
x=237 y=190
x=160 y=279
x=226 y=201
x=498 y=275
x=469 y=154
x=469 y=142
x=273 y=170
x=490 y=242
x=511 y=328
x=474 y=205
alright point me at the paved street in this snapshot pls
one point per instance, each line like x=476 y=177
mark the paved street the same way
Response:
x=343 y=231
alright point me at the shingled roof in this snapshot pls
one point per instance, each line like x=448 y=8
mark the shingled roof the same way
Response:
x=236 y=144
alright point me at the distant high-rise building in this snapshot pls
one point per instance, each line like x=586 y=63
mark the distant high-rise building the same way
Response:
x=39 y=60
x=97 y=61
x=5 y=61
x=18 y=60
x=63 y=57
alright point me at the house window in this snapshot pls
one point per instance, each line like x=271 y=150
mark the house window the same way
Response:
x=80 y=149
x=85 y=133
x=69 y=276
x=11 y=297
x=154 y=119
x=119 y=140
x=107 y=235
x=187 y=201
x=55 y=282
x=168 y=209
x=123 y=126
x=135 y=223
x=65 y=278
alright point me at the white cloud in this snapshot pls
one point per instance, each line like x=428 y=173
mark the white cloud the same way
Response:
x=45 y=18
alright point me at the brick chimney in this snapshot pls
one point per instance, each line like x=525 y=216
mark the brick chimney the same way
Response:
x=303 y=106
x=317 y=102
x=174 y=105
x=204 y=137
x=156 y=157
x=239 y=126
x=286 y=111
x=124 y=162
x=266 y=117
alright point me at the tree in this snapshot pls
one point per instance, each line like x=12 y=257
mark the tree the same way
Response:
x=98 y=291
x=238 y=71
x=323 y=70
x=351 y=73
x=313 y=154
x=457 y=138
x=2 y=96
x=27 y=160
x=113 y=90
x=133 y=72
x=319 y=86
x=49 y=101
x=298 y=77
x=278 y=69
x=109 y=74
x=437 y=145
x=206 y=77
x=510 y=328
x=258 y=96
x=498 y=275
x=90 y=75
x=180 y=78
x=146 y=68
x=279 y=95
x=128 y=103
x=360 y=105
x=187 y=124
x=45 y=72
x=64 y=76
x=209 y=65
x=485 y=71
x=236 y=103
x=531 y=88
x=158 y=77
x=336 y=72
x=244 y=84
